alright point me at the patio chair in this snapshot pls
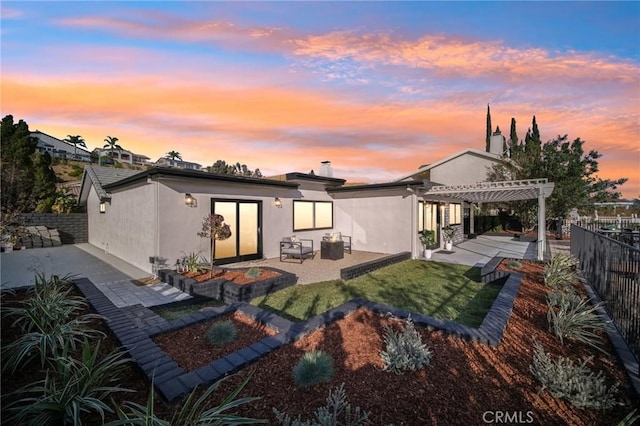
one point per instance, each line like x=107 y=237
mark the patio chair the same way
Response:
x=345 y=238
x=295 y=249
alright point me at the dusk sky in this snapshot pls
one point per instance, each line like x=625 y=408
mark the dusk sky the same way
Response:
x=378 y=88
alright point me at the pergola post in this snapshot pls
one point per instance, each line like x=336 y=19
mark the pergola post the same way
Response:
x=542 y=227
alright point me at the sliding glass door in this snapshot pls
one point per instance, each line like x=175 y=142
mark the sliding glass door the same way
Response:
x=244 y=217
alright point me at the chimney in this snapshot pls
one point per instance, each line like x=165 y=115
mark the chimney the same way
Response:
x=325 y=169
x=496 y=142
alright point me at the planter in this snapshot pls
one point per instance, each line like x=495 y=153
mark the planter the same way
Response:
x=212 y=288
x=448 y=246
x=428 y=253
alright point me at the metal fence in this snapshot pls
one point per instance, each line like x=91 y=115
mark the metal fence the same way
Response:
x=612 y=268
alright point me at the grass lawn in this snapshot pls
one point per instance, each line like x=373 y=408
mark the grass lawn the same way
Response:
x=441 y=290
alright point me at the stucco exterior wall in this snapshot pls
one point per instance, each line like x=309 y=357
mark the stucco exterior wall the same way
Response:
x=463 y=170
x=381 y=222
x=127 y=228
x=179 y=224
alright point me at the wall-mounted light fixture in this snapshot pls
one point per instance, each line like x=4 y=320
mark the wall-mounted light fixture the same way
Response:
x=103 y=207
x=277 y=203
x=189 y=200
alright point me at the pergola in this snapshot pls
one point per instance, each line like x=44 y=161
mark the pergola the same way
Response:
x=495 y=192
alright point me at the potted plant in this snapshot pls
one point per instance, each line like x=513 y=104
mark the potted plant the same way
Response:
x=427 y=239
x=448 y=233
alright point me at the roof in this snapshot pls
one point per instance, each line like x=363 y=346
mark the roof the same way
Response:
x=71 y=146
x=472 y=151
x=377 y=186
x=314 y=178
x=99 y=177
x=195 y=174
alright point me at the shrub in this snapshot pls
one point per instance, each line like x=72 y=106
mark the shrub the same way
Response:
x=514 y=264
x=253 y=272
x=404 y=349
x=71 y=388
x=574 y=318
x=336 y=411
x=192 y=262
x=561 y=271
x=44 y=318
x=574 y=382
x=192 y=412
x=222 y=332
x=314 y=367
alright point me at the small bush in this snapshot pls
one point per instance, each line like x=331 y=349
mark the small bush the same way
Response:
x=514 y=264
x=561 y=271
x=404 y=350
x=336 y=411
x=193 y=412
x=576 y=383
x=71 y=388
x=574 y=318
x=314 y=367
x=222 y=332
x=253 y=273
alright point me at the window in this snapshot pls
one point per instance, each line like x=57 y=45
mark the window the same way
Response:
x=427 y=216
x=312 y=215
x=455 y=211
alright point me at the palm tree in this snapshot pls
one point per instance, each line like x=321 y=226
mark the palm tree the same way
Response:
x=173 y=155
x=75 y=141
x=112 y=144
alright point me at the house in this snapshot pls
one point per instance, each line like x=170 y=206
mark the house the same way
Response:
x=123 y=156
x=60 y=149
x=170 y=162
x=157 y=213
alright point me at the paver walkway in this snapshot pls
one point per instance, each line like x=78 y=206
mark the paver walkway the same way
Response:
x=111 y=275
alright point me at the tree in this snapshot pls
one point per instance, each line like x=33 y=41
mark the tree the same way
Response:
x=213 y=227
x=64 y=201
x=44 y=183
x=112 y=144
x=513 y=137
x=17 y=149
x=75 y=141
x=563 y=162
x=220 y=167
x=27 y=181
x=488 y=131
x=174 y=155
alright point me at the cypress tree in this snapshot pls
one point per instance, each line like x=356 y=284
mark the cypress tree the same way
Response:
x=488 y=139
x=513 y=137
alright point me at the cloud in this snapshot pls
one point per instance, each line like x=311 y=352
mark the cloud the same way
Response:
x=10 y=13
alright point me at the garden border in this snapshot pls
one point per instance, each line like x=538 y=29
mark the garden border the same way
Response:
x=354 y=271
x=228 y=291
x=173 y=383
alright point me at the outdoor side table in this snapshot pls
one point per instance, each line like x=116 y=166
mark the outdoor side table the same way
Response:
x=333 y=250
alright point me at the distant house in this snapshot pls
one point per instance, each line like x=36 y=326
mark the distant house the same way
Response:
x=60 y=149
x=123 y=156
x=179 y=164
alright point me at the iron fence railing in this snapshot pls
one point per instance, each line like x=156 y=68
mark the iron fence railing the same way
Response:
x=612 y=268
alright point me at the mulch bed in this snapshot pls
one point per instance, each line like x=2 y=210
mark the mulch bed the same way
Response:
x=234 y=275
x=190 y=348
x=463 y=381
